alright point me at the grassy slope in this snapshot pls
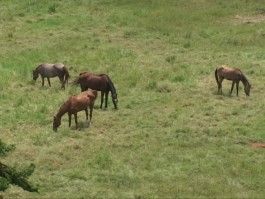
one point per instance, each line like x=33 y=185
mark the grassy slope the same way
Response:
x=172 y=136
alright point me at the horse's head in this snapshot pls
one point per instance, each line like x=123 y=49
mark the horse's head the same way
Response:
x=247 y=89
x=115 y=100
x=35 y=74
x=56 y=123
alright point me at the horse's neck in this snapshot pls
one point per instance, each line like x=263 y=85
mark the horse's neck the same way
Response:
x=113 y=92
x=112 y=88
x=244 y=80
x=38 y=69
x=62 y=110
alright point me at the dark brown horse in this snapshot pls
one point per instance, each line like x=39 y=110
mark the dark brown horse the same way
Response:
x=100 y=83
x=75 y=104
x=52 y=70
x=233 y=74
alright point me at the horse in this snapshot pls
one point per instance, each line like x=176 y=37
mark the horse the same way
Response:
x=52 y=70
x=100 y=83
x=74 y=105
x=233 y=74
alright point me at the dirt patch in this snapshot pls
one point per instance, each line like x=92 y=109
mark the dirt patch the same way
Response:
x=248 y=19
x=258 y=145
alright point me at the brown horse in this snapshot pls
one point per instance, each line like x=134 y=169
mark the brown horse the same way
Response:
x=233 y=74
x=52 y=70
x=75 y=104
x=100 y=83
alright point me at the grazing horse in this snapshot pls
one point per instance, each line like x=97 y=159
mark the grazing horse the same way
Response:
x=75 y=104
x=52 y=70
x=233 y=74
x=100 y=83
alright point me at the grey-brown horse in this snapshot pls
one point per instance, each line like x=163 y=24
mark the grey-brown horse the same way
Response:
x=52 y=70
x=233 y=74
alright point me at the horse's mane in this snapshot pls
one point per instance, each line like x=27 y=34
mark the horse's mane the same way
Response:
x=63 y=109
x=38 y=67
x=244 y=79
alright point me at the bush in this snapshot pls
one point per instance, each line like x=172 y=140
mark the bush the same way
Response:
x=14 y=175
x=4 y=184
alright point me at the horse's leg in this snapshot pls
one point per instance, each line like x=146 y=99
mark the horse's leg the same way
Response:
x=49 y=81
x=220 y=86
x=91 y=106
x=232 y=87
x=62 y=81
x=237 y=83
x=102 y=97
x=42 y=78
x=86 y=113
x=75 y=114
x=70 y=118
x=106 y=99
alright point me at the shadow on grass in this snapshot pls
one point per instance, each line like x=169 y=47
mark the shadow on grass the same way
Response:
x=81 y=126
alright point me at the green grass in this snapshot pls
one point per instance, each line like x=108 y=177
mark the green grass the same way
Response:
x=173 y=136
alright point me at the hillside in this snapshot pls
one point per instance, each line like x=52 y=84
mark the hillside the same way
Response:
x=172 y=136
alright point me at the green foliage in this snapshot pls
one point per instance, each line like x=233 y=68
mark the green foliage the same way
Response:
x=15 y=176
x=4 y=148
x=4 y=184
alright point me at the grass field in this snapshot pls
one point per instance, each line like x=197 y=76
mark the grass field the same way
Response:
x=173 y=136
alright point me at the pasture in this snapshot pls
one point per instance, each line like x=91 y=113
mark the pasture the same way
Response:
x=172 y=136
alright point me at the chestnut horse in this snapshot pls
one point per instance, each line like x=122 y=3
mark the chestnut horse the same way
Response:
x=233 y=74
x=75 y=104
x=100 y=83
x=52 y=70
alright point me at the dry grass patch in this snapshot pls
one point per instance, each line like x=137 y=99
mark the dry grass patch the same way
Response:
x=239 y=19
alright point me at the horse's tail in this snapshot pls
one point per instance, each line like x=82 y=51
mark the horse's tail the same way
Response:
x=67 y=75
x=76 y=82
x=216 y=75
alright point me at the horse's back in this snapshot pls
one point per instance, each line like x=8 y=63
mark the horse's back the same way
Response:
x=94 y=82
x=225 y=68
x=227 y=72
x=91 y=94
x=51 y=70
x=48 y=66
x=78 y=103
x=92 y=76
x=81 y=101
x=59 y=66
